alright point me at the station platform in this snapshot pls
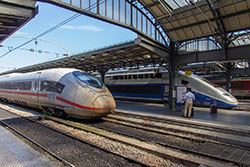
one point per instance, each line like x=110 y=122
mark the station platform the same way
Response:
x=16 y=153
x=229 y=116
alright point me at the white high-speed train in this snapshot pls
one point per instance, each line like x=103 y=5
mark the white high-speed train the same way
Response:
x=61 y=91
x=151 y=85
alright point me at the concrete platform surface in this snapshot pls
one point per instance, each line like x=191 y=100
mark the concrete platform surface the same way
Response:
x=201 y=113
x=15 y=153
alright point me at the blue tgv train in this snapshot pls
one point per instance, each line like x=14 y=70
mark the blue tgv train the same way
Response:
x=151 y=85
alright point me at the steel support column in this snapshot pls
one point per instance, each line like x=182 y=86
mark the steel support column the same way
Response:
x=171 y=73
x=102 y=71
x=228 y=65
x=228 y=76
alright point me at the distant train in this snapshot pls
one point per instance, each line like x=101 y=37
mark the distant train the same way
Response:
x=240 y=87
x=61 y=91
x=145 y=85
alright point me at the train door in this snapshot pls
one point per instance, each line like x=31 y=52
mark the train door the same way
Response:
x=37 y=86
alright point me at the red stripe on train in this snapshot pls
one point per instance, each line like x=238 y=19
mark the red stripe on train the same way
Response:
x=57 y=97
x=78 y=105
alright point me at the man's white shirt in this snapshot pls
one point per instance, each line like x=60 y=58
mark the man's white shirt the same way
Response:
x=189 y=96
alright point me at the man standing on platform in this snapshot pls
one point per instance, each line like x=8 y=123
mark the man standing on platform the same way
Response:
x=189 y=98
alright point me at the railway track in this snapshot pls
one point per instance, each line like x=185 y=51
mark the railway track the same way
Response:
x=153 y=140
x=68 y=149
x=176 y=143
x=209 y=138
x=179 y=126
x=61 y=160
x=216 y=149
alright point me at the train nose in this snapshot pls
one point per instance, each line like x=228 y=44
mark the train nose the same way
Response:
x=104 y=105
x=234 y=101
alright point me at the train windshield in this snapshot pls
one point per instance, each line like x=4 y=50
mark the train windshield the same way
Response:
x=88 y=79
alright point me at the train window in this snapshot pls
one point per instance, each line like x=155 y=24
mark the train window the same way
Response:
x=129 y=76
x=134 y=76
x=146 y=76
x=140 y=76
x=121 y=77
x=141 y=89
x=184 y=82
x=1 y=85
x=13 y=85
x=246 y=85
x=151 y=75
x=125 y=77
x=88 y=79
x=52 y=86
x=16 y=85
x=237 y=85
x=115 y=77
x=26 y=86
x=158 y=75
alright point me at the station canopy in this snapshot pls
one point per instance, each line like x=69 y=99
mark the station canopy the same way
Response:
x=191 y=19
x=135 y=53
x=181 y=20
x=14 y=14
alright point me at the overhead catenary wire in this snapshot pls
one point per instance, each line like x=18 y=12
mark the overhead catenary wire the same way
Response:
x=55 y=27
x=33 y=50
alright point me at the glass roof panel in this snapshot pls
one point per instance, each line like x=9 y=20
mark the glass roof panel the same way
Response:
x=181 y=2
x=174 y=4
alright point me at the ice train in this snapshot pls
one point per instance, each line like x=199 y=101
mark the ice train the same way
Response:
x=61 y=91
x=154 y=85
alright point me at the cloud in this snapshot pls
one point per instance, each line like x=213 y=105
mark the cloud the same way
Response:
x=85 y=28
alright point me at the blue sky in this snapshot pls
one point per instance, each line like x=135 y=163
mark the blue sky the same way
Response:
x=80 y=35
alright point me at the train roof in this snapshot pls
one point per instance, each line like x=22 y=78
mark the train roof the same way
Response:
x=119 y=73
x=25 y=76
x=127 y=72
x=62 y=70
